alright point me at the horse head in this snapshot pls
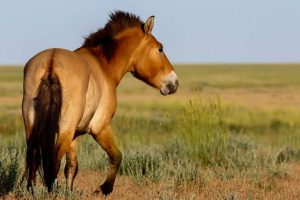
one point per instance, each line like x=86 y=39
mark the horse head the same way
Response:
x=152 y=65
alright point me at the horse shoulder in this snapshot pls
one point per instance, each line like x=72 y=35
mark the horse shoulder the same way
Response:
x=105 y=110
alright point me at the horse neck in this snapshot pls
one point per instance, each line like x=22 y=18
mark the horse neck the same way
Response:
x=122 y=60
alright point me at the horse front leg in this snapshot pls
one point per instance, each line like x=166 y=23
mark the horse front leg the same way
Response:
x=106 y=140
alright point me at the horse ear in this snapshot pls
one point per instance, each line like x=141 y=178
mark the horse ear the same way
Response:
x=148 y=26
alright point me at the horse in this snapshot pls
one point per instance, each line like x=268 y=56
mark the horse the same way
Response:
x=70 y=93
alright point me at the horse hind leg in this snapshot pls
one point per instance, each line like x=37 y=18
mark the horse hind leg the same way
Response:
x=106 y=140
x=66 y=146
x=61 y=150
x=71 y=168
x=33 y=160
x=34 y=163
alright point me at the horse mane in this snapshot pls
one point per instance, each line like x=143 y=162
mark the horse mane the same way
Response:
x=105 y=37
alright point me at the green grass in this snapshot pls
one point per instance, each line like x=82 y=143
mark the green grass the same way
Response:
x=239 y=75
x=202 y=131
x=201 y=138
x=11 y=74
x=9 y=172
x=185 y=139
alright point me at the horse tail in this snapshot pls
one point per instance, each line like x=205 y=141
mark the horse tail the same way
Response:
x=41 y=144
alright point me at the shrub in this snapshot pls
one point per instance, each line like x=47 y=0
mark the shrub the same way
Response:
x=9 y=169
x=139 y=164
x=203 y=132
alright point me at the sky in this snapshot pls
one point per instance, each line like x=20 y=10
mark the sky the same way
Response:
x=192 y=31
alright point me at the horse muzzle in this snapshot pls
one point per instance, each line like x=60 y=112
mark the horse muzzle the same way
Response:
x=170 y=84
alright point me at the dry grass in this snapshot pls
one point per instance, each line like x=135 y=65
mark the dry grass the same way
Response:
x=264 y=121
x=239 y=186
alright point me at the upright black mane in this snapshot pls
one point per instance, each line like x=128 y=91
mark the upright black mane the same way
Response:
x=104 y=37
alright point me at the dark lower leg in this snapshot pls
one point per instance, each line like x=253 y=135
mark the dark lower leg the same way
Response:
x=106 y=140
x=33 y=163
x=61 y=151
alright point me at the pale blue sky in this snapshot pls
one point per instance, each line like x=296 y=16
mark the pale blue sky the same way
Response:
x=198 y=31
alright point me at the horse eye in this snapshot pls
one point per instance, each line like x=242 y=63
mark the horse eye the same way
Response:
x=161 y=50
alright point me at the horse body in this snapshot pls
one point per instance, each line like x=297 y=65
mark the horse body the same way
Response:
x=69 y=93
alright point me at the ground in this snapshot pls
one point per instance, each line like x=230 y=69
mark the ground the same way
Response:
x=263 y=123
x=126 y=188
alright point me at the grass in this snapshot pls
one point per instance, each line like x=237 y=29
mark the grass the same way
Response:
x=9 y=173
x=209 y=135
x=203 y=133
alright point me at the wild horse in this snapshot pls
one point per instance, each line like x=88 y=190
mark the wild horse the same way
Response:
x=70 y=93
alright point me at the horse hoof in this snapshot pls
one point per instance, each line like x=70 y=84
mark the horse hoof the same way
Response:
x=106 y=188
x=97 y=191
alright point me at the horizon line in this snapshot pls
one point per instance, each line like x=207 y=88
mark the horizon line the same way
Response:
x=200 y=63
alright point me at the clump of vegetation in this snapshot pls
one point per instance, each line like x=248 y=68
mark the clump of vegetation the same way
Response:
x=203 y=132
x=141 y=164
x=9 y=169
x=204 y=136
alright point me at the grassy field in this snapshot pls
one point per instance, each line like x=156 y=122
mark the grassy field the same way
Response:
x=230 y=132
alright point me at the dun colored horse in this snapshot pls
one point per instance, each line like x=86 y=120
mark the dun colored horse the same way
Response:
x=70 y=93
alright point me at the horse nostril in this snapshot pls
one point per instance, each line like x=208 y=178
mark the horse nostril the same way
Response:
x=172 y=87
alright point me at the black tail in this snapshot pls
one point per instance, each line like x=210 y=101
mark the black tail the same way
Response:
x=41 y=144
